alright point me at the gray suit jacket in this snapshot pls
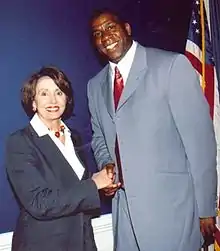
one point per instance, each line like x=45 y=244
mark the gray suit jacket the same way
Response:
x=167 y=147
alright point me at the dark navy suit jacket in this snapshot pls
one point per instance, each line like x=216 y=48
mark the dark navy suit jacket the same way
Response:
x=55 y=206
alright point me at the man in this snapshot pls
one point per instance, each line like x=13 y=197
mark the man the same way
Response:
x=151 y=125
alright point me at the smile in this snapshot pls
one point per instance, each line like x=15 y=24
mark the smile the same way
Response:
x=52 y=108
x=111 y=46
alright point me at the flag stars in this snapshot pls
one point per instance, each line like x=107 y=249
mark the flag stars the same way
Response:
x=197 y=31
x=197 y=2
x=194 y=21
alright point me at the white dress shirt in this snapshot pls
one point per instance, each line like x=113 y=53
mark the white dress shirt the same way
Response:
x=124 y=65
x=66 y=149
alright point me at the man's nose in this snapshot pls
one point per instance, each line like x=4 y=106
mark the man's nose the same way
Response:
x=105 y=35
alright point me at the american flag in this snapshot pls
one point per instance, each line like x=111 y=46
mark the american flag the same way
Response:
x=199 y=52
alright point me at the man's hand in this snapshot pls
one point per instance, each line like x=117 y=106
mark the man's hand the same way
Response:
x=207 y=226
x=110 y=169
x=111 y=189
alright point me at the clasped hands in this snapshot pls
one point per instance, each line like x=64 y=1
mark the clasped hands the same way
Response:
x=105 y=180
x=112 y=188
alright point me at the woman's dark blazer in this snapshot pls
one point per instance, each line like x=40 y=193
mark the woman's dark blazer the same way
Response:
x=55 y=206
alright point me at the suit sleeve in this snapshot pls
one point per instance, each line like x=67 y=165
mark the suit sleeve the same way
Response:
x=35 y=193
x=99 y=146
x=191 y=115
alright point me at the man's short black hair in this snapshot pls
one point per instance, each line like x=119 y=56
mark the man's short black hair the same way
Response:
x=99 y=12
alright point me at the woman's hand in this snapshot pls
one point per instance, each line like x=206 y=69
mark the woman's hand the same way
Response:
x=102 y=179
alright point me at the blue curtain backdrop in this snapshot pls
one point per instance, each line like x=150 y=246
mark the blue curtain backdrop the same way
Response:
x=36 y=33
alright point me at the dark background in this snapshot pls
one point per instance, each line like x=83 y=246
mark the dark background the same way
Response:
x=34 y=33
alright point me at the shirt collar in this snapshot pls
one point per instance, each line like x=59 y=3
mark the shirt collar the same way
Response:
x=40 y=128
x=126 y=60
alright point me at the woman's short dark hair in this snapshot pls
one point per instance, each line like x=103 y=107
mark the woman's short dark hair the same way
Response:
x=28 y=91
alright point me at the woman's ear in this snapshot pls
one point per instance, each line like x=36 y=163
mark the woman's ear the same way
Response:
x=34 y=107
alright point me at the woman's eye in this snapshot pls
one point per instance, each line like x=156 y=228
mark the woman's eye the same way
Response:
x=59 y=93
x=43 y=94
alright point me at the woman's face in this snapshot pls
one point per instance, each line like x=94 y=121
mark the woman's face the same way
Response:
x=49 y=101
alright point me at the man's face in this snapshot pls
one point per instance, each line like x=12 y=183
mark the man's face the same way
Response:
x=111 y=38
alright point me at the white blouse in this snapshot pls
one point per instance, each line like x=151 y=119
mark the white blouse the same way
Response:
x=66 y=149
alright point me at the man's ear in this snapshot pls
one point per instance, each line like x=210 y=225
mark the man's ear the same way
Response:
x=128 y=28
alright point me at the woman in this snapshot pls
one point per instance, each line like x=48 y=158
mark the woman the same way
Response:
x=48 y=173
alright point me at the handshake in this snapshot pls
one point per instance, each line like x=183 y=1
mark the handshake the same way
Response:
x=105 y=180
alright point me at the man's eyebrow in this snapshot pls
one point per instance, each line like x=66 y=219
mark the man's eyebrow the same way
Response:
x=95 y=27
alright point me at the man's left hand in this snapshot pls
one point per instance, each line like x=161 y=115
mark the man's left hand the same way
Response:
x=207 y=226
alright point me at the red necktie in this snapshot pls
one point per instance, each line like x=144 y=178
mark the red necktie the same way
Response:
x=118 y=88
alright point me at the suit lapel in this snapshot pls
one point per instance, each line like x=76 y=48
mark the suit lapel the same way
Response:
x=107 y=91
x=52 y=155
x=137 y=71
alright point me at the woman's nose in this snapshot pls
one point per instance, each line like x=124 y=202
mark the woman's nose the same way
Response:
x=53 y=99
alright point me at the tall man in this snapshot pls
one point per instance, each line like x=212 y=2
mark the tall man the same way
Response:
x=151 y=121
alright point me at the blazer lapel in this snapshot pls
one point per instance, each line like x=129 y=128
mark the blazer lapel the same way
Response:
x=137 y=71
x=52 y=155
x=107 y=92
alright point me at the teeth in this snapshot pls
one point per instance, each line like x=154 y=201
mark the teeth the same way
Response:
x=111 y=46
x=52 y=109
